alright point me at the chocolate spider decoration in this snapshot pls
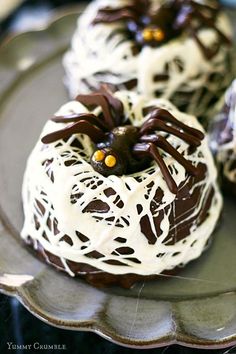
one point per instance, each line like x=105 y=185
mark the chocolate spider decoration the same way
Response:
x=153 y=24
x=121 y=148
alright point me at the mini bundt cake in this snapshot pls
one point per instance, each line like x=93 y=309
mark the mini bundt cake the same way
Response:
x=120 y=188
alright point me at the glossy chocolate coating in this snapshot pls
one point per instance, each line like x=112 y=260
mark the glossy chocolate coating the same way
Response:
x=119 y=143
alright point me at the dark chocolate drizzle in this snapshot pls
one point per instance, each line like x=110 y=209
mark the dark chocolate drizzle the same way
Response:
x=173 y=18
x=132 y=148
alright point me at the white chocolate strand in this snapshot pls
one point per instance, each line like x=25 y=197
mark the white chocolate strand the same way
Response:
x=56 y=192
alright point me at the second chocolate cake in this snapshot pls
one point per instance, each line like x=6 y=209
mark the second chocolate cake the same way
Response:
x=223 y=140
x=175 y=49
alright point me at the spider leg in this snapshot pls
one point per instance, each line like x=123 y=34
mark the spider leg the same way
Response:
x=109 y=15
x=209 y=53
x=116 y=104
x=204 y=6
x=167 y=117
x=162 y=143
x=98 y=99
x=81 y=127
x=211 y=23
x=142 y=149
x=74 y=118
x=157 y=124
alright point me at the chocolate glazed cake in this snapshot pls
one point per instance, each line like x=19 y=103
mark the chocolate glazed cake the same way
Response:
x=223 y=140
x=120 y=188
x=175 y=49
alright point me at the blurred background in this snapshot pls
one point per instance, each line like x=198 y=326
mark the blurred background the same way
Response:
x=21 y=15
x=17 y=325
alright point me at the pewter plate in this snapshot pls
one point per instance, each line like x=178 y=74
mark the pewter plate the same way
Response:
x=196 y=308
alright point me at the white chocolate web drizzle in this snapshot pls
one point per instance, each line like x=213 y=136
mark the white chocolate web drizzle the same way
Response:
x=61 y=187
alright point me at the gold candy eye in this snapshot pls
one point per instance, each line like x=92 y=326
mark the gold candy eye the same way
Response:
x=110 y=161
x=147 y=34
x=98 y=156
x=158 y=35
x=150 y=34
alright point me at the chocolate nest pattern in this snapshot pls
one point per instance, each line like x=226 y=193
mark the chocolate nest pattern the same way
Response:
x=123 y=149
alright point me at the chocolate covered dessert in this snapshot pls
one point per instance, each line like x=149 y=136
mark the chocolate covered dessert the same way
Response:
x=223 y=140
x=120 y=188
x=174 y=49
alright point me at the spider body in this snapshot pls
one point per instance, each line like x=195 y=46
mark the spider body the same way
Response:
x=120 y=148
x=119 y=143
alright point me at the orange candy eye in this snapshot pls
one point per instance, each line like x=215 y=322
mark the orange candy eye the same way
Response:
x=158 y=35
x=110 y=161
x=150 y=34
x=147 y=34
x=98 y=156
